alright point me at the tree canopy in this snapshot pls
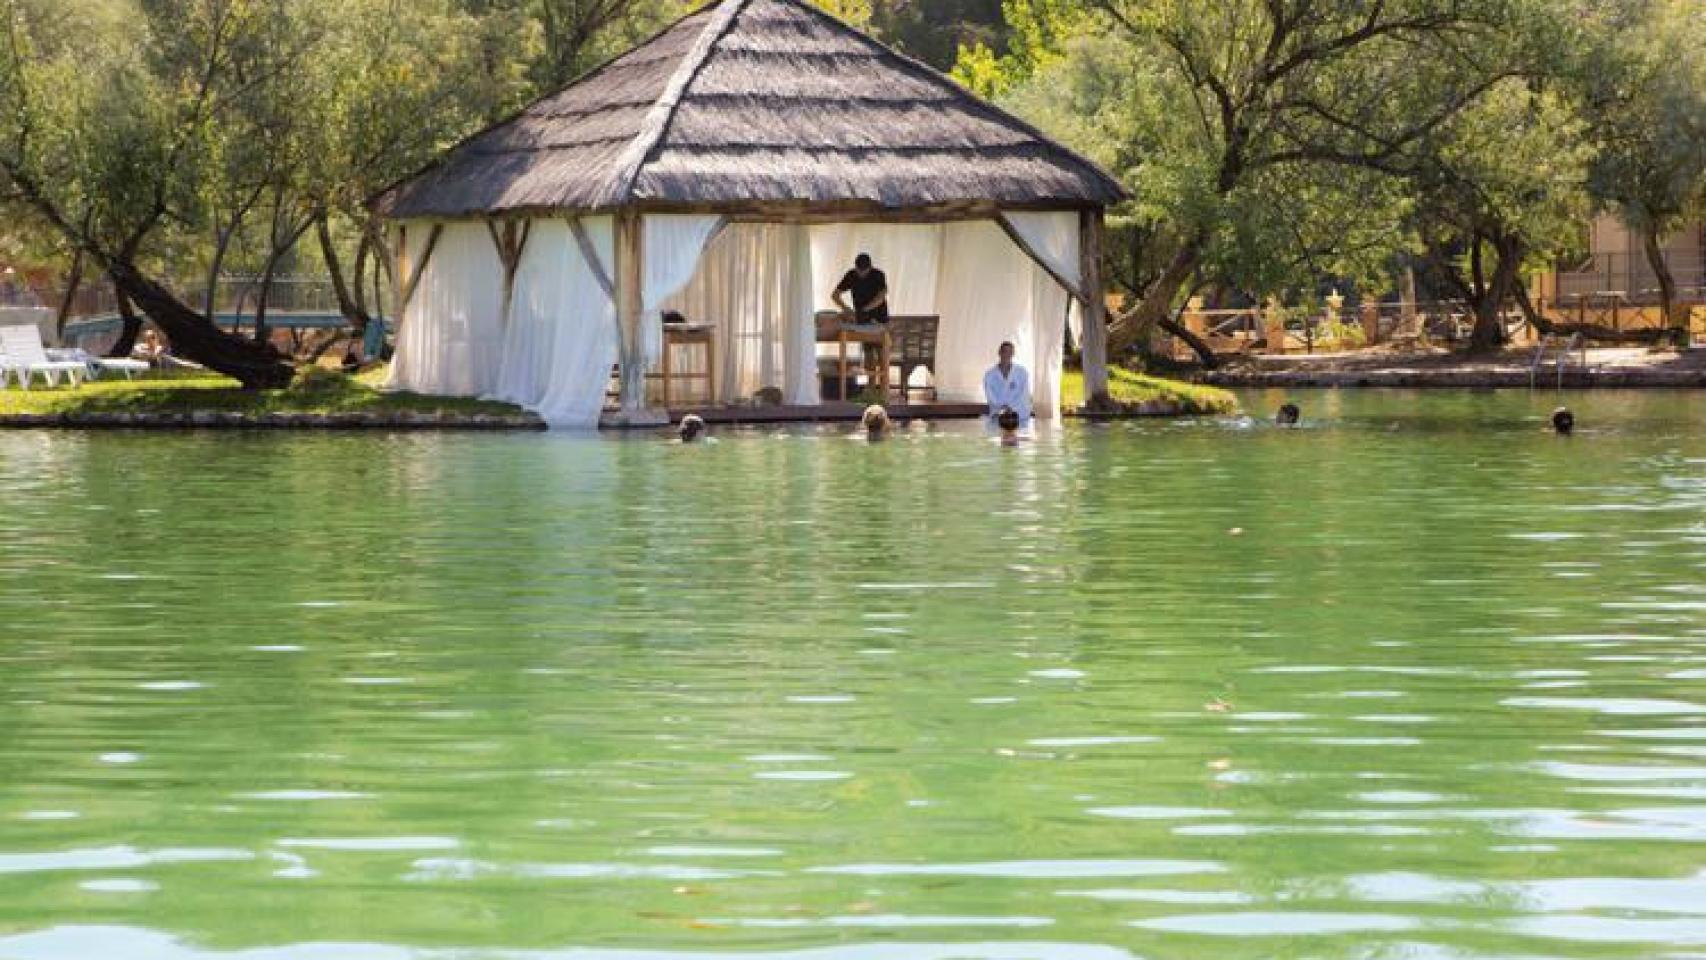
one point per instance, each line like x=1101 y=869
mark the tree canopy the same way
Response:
x=1271 y=146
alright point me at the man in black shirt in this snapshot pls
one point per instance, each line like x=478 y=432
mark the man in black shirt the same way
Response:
x=870 y=289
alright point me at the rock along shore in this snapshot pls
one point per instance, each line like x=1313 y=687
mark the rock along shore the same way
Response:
x=225 y=420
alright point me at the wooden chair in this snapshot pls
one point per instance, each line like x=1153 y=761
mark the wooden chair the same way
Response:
x=914 y=339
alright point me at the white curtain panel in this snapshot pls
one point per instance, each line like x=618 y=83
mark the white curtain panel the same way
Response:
x=1054 y=239
x=745 y=288
x=992 y=291
x=561 y=341
x=908 y=254
x=451 y=339
x=673 y=245
x=799 y=367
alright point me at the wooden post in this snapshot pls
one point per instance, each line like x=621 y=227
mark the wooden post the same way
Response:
x=1095 y=346
x=1407 y=302
x=1195 y=321
x=630 y=305
x=397 y=275
x=1370 y=321
x=1274 y=320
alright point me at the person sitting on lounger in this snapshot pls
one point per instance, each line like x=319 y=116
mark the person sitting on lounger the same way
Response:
x=1007 y=386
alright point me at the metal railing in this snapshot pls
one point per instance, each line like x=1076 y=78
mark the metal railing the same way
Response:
x=1629 y=276
x=1549 y=342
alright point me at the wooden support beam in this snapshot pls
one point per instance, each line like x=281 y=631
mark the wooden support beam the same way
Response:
x=1095 y=347
x=413 y=280
x=511 y=242
x=630 y=251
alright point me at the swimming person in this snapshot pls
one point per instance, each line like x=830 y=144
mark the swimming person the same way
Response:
x=876 y=422
x=1007 y=386
x=692 y=426
x=1008 y=421
x=1563 y=421
x=1288 y=415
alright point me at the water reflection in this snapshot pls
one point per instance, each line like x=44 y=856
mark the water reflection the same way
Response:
x=787 y=697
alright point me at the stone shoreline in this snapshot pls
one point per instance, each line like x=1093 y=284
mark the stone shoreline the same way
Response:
x=225 y=420
x=1602 y=368
x=402 y=420
x=1460 y=379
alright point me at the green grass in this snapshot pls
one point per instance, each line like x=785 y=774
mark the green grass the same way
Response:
x=328 y=392
x=1129 y=387
x=315 y=392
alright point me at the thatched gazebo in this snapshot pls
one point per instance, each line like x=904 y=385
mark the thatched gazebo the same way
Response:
x=729 y=168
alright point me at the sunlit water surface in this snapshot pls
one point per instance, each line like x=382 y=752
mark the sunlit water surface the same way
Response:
x=1418 y=680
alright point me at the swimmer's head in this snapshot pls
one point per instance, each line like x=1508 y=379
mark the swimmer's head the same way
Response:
x=1563 y=421
x=1007 y=420
x=1288 y=415
x=692 y=426
x=875 y=420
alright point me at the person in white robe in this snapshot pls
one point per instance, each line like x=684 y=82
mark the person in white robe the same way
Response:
x=1007 y=385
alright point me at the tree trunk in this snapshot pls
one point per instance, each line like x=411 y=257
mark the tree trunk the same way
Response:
x=132 y=328
x=1134 y=328
x=73 y=281
x=1492 y=294
x=349 y=305
x=194 y=337
x=262 y=297
x=1199 y=346
x=1675 y=321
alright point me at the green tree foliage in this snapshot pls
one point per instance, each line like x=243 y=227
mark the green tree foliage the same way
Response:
x=1645 y=109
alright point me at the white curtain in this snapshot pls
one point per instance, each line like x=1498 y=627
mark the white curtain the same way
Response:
x=672 y=247
x=908 y=254
x=451 y=339
x=992 y=291
x=1054 y=239
x=799 y=369
x=561 y=340
x=753 y=286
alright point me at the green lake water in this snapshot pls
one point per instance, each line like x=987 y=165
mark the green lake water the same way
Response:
x=1417 y=681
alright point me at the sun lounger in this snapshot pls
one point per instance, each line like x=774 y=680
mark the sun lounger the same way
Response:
x=97 y=366
x=22 y=354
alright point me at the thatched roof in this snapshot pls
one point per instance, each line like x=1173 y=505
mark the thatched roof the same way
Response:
x=754 y=101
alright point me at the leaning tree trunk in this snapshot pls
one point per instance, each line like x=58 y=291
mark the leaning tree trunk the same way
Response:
x=131 y=328
x=255 y=365
x=1675 y=321
x=1134 y=327
x=73 y=282
x=349 y=303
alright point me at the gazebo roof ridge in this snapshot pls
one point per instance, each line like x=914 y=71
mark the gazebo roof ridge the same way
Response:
x=754 y=101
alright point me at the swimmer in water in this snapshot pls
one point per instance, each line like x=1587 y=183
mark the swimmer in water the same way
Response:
x=1563 y=421
x=692 y=428
x=1288 y=415
x=876 y=422
x=1008 y=421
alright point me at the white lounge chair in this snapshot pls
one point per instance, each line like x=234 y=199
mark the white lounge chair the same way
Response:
x=97 y=366
x=23 y=354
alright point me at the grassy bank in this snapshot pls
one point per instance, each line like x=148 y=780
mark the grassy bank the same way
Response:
x=316 y=392
x=324 y=392
x=1131 y=389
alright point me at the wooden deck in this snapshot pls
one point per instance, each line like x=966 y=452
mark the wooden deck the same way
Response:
x=826 y=413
